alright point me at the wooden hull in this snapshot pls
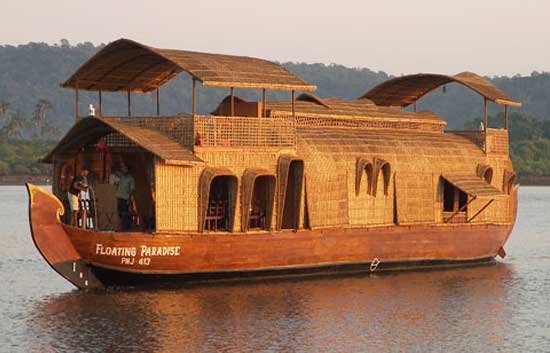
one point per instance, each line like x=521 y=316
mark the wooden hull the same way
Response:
x=118 y=258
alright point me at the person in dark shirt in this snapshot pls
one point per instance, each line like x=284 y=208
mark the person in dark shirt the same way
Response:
x=78 y=184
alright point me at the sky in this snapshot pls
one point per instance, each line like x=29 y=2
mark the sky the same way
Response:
x=489 y=37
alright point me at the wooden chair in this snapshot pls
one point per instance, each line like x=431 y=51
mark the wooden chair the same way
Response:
x=214 y=216
x=256 y=221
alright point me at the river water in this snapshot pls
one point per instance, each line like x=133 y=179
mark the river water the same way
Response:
x=498 y=308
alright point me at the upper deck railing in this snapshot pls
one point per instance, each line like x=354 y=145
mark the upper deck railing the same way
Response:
x=494 y=141
x=222 y=131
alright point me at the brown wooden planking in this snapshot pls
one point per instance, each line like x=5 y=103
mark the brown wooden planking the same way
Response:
x=307 y=248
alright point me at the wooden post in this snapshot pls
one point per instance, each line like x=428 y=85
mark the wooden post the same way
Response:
x=414 y=107
x=485 y=122
x=158 y=101
x=129 y=104
x=505 y=117
x=263 y=103
x=293 y=99
x=194 y=97
x=77 y=113
x=100 y=105
x=232 y=101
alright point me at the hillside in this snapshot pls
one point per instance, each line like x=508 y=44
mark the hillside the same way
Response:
x=35 y=110
x=31 y=72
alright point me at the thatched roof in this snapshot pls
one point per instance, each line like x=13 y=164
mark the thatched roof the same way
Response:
x=91 y=129
x=125 y=65
x=334 y=107
x=405 y=90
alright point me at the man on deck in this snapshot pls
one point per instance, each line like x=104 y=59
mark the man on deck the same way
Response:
x=124 y=190
x=78 y=184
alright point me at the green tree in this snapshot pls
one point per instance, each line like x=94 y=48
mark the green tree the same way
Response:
x=39 y=121
x=13 y=128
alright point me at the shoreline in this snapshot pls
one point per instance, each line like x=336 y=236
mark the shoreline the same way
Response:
x=22 y=179
x=13 y=180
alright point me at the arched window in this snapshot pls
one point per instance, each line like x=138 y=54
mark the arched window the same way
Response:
x=363 y=166
x=385 y=167
x=290 y=178
x=508 y=182
x=258 y=193
x=485 y=172
x=217 y=199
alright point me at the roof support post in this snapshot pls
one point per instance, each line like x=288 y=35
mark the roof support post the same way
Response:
x=232 y=101
x=194 y=97
x=76 y=111
x=100 y=104
x=293 y=99
x=485 y=122
x=263 y=103
x=158 y=101
x=505 y=117
x=129 y=104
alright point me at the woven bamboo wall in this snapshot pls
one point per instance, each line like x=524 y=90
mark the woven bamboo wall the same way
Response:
x=327 y=199
x=416 y=197
x=366 y=209
x=498 y=211
x=177 y=195
x=497 y=142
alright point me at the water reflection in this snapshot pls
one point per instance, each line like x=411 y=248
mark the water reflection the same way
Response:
x=422 y=310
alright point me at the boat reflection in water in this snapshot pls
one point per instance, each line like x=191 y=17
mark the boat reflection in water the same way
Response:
x=343 y=313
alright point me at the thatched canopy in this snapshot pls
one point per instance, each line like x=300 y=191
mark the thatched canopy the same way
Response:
x=90 y=130
x=125 y=65
x=405 y=90
x=472 y=185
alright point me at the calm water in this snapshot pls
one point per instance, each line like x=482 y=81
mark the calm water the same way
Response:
x=501 y=308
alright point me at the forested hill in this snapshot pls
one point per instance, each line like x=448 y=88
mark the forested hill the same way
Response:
x=32 y=73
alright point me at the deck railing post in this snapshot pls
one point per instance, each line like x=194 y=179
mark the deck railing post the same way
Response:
x=158 y=101
x=232 y=101
x=293 y=99
x=264 y=104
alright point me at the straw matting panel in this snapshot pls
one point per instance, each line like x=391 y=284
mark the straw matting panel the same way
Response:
x=497 y=212
x=415 y=195
x=497 y=142
x=326 y=120
x=177 y=197
x=327 y=199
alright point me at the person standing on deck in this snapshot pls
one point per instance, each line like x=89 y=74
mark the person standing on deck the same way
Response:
x=124 y=190
x=78 y=184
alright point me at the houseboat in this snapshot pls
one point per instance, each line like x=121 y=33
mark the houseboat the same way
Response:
x=270 y=188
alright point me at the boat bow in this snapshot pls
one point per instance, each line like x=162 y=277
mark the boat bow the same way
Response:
x=52 y=241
